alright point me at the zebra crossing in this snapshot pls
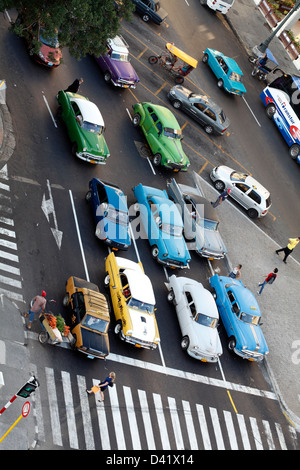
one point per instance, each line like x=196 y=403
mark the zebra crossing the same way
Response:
x=10 y=275
x=134 y=419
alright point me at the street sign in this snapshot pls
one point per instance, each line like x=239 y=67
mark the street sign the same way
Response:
x=25 y=409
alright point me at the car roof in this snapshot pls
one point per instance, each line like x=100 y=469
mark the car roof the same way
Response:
x=89 y=110
x=118 y=45
x=233 y=66
x=209 y=211
x=140 y=286
x=115 y=195
x=164 y=114
x=257 y=186
x=203 y=300
x=245 y=298
x=161 y=203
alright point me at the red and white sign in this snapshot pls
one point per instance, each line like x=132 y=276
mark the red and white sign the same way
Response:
x=25 y=409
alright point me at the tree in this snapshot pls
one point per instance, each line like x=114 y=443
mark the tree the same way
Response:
x=82 y=25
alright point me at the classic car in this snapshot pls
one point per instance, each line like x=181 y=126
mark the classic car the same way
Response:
x=201 y=108
x=110 y=211
x=245 y=190
x=85 y=127
x=133 y=302
x=87 y=316
x=218 y=5
x=163 y=134
x=197 y=316
x=201 y=225
x=161 y=221
x=241 y=317
x=150 y=10
x=115 y=64
x=226 y=70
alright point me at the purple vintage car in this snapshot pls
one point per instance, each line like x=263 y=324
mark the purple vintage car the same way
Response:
x=116 y=66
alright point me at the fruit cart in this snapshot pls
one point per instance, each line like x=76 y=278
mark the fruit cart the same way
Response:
x=55 y=331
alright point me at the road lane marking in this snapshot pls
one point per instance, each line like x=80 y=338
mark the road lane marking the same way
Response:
x=50 y=112
x=79 y=236
x=257 y=122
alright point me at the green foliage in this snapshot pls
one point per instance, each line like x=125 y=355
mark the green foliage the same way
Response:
x=83 y=25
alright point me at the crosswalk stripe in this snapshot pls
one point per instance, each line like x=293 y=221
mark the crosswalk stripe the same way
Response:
x=217 y=428
x=176 y=424
x=136 y=443
x=230 y=430
x=243 y=430
x=146 y=420
x=161 y=422
x=268 y=434
x=86 y=413
x=256 y=434
x=203 y=427
x=117 y=420
x=280 y=436
x=8 y=233
x=190 y=425
x=103 y=428
x=10 y=269
x=54 y=413
x=71 y=420
x=9 y=256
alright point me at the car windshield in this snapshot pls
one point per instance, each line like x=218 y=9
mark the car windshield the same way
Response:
x=235 y=77
x=95 y=324
x=52 y=42
x=206 y=320
x=117 y=216
x=207 y=224
x=138 y=305
x=172 y=133
x=222 y=117
x=118 y=56
x=94 y=128
x=173 y=230
x=249 y=318
x=236 y=176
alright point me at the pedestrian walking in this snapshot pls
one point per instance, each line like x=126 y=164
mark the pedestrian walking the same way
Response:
x=268 y=280
x=224 y=195
x=38 y=306
x=236 y=272
x=103 y=385
x=293 y=242
x=74 y=87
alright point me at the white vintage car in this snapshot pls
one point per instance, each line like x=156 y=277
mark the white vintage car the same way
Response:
x=198 y=318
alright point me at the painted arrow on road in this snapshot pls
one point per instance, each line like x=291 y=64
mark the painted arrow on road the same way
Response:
x=48 y=208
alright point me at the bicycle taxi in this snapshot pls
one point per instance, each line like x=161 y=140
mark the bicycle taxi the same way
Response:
x=263 y=65
x=176 y=62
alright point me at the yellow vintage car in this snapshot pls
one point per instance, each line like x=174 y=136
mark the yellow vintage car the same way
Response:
x=87 y=315
x=133 y=302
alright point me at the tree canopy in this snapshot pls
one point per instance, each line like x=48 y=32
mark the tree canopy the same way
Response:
x=82 y=25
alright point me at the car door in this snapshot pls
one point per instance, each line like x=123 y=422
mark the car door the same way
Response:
x=73 y=122
x=196 y=110
x=238 y=193
x=187 y=311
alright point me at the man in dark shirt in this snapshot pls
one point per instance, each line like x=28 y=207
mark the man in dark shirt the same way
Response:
x=74 y=87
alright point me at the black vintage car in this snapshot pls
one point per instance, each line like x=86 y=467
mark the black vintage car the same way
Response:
x=150 y=10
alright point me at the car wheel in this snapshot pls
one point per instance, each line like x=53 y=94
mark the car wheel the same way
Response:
x=74 y=148
x=171 y=296
x=270 y=110
x=252 y=213
x=88 y=196
x=231 y=343
x=176 y=104
x=220 y=83
x=157 y=159
x=205 y=58
x=219 y=185
x=179 y=80
x=118 y=328
x=136 y=119
x=65 y=300
x=153 y=59
x=107 y=77
x=209 y=129
x=294 y=151
x=154 y=252
x=106 y=281
x=185 y=342
x=146 y=18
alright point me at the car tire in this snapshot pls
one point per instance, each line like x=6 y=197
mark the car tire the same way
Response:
x=118 y=328
x=176 y=104
x=153 y=59
x=220 y=83
x=270 y=110
x=219 y=185
x=185 y=342
x=145 y=17
x=231 y=343
x=136 y=120
x=157 y=159
x=106 y=281
x=107 y=77
x=252 y=213
x=88 y=196
x=209 y=129
x=171 y=296
x=154 y=252
x=294 y=151
x=65 y=300
x=205 y=58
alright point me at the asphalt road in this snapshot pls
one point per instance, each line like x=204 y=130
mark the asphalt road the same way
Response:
x=43 y=159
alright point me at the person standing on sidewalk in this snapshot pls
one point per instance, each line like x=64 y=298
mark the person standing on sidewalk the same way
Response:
x=224 y=195
x=236 y=272
x=268 y=280
x=293 y=242
x=38 y=306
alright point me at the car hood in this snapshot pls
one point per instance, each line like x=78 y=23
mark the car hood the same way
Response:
x=207 y=339
x=116 y=232
x=175 y=151
x=51 y=54
x=143 y=325
x=94 y=143
x=251 y=337
x=177 y=249
x=95 y=342
x=125 y=70
x=212 y=242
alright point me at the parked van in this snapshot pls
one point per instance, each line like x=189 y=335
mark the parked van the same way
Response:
x=218 y=5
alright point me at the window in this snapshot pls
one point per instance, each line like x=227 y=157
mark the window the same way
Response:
x=256 y=197
x=200 y=106
x=210 y=114
x=234 y=305
x=242 y=187
x=191 y=304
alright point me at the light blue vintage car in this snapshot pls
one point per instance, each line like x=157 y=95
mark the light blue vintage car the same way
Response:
x=241 y=316
x=226 y=70
x=163 y=225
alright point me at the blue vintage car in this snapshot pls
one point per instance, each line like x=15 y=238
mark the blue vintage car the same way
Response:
x=241 y=316
x=226 y=70
x=110 y=212
x=163 y=225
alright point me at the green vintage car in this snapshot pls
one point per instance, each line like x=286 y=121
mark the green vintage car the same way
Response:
x=85 y=127
x=163 y=135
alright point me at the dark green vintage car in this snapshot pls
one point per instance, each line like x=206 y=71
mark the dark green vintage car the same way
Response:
x=163 y=135
x=85 y=127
